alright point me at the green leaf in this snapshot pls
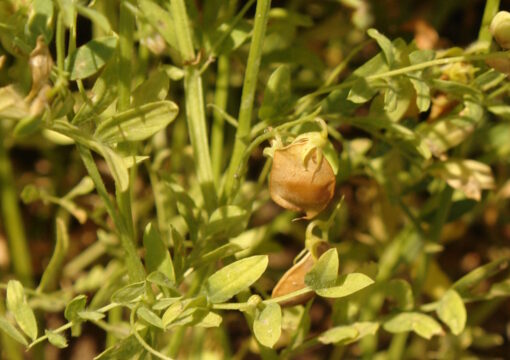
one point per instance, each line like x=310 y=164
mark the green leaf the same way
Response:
x=88 y=59
x=172 y=313
x=267 y=325
x=500 y=289
x=500 y=110
x=161 y=20
x=234 y=278
x=18 y=305
x=12 y=104
x=347 y=334
x=115 y=162
x=157 y=257
x=52 y=272
x=331 y=154
x=452 y=312
x=210 y=320
x=129 y=294
x=155 y=88
x=401 y=292
x=237 y=37
x=422 y=94
x=56 y=339
x=421 y=56
x=39 y=22
x=385 y=44
x=75 y=306
x=445 y=134
x=126 y=348
x=67 y=11
x=27 y=126
x=160 y=279
x=338 y=334
x=90 y=315
x=138 y=123
x=95 y=16
x=457 y=89
x=165 y=303
x=325 y=272
x=10 y=330
x=346 y=285
x=277 y=95
x=421 y=324
x=361 y=92
x=227 y=221
x=149 y=317
x=479 y=274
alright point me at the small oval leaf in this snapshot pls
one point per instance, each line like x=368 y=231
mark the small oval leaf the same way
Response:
x=234 y=278
x=18 y=305
x=452 y=312
x=91 y=57
x=150 y=317
x=346 y=285
x=138 y=123
x=267 y=326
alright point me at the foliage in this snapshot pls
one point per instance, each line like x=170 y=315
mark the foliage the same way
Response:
x=185 y=236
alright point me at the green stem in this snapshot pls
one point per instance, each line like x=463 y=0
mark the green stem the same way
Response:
x=60 y=44
x=142 y=341
x=114 y=317
x=134 y=265
x=406 y=69
x=126 y=29
x=248 y=95
x=195 y=110
x=12 y=220
x=183 y=30
x=484 y=35
x=220 y=100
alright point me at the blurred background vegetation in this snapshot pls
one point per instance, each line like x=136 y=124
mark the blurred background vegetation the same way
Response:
x=313 y=40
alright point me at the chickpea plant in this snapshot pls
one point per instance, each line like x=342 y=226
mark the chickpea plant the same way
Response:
x=169 y=265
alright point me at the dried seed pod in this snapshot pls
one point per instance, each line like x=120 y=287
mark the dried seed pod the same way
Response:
x=500 y=29
x=40 y=63
x=301 y=179
x=294 y=278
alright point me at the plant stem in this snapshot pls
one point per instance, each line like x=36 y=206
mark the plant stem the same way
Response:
x=220 y=100
x=195 y=110
x=134 y=265
x=484 y=35
x=406 y=69
x=248 y=94
x=126 y=28
x=12 y=220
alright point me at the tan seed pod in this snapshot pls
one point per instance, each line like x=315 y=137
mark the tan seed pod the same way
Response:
x=40 y=63
x=294 y=278
x=301 y=183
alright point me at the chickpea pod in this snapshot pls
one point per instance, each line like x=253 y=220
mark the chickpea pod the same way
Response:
x=301 y=178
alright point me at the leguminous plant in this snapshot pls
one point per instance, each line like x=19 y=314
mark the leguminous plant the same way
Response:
x=224 y=179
